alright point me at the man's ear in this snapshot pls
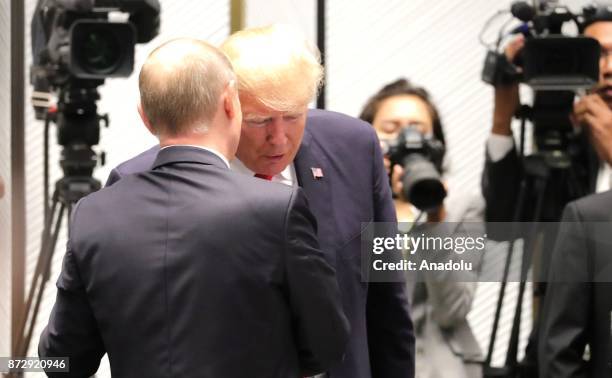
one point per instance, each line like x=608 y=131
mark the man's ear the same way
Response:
x=145 y=119
x=231 y=103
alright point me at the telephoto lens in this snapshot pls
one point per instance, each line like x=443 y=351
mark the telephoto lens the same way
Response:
x=422 y=183
x=421 y=157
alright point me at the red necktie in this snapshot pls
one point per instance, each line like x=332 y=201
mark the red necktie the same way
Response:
x=262 y=176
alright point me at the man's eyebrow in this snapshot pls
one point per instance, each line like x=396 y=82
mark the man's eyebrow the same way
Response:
x=257 y=116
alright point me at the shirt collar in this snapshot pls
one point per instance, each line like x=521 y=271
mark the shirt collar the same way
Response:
x=212 y=151
x=286 y=176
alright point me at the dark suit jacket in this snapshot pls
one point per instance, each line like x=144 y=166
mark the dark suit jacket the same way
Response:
x=578 y=300
x=179 y=271
x=354 y=189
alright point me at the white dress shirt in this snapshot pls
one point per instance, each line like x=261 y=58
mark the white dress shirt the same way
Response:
x=287 y=176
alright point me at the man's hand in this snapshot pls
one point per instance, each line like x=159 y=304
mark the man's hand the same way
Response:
x=507 y=96
x=592 y=113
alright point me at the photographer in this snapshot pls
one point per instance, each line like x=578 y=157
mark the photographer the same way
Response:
x=444 y=341
x=504 y=173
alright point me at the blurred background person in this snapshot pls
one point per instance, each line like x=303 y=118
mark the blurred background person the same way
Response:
x=575 y=335
x=445 y=344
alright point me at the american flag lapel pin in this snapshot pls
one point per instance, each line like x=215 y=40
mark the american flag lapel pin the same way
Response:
x=317 y=173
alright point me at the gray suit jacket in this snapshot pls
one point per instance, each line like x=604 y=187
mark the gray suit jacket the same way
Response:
x=578 y=300
x=180 y=271
x=445 y=344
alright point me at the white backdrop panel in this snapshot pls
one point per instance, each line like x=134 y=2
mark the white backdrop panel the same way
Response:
x=5 y=166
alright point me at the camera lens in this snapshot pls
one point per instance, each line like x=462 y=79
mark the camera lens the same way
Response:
x=422 y=183
x=100 y=52
x=101 y=49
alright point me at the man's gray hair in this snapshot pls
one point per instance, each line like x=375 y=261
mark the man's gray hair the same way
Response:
x=181 y=83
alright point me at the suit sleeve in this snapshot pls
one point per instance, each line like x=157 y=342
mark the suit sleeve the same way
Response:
x=500 y=187
x=389 y=326
x=72 y=329
x=566 y=314
x=322 y=328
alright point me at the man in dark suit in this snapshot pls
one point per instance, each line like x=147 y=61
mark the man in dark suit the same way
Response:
x=578 y=299
x=337 y=161
x=189 y=269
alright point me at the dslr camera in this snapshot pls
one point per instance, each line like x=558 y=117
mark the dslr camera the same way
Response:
x=421 y=157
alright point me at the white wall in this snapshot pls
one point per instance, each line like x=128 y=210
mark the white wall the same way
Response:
x=5 y=164
x=300 y=13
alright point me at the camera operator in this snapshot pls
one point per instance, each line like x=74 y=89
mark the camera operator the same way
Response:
x=593 y=113
x=445 y=344
x=504 y=171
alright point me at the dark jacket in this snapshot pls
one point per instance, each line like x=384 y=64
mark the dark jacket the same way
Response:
x=353 y=191
x=191 y=270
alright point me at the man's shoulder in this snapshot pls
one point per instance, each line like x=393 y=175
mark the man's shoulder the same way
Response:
x=329 y=124
x=594 y=207
x=139 y=163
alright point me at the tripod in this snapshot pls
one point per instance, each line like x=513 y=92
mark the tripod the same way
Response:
x=543 y=173
x=78 y=125
x=539 y=175
x=67 y=193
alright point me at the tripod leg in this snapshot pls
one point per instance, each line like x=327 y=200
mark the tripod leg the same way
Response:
x=502 y=290
x=528 y=251
x=46 y=237
x=46 y=257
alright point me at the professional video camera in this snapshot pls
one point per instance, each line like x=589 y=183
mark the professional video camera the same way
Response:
x=555 y=66
x=76 y=44
x=421 y=158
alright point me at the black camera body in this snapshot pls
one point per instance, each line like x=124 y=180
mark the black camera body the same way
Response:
x=77 y=40
x=556 y=67
x=76 y=45
x=550 y=60
x=421 y=157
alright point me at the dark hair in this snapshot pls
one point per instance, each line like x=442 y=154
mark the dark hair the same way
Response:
x=398 y=88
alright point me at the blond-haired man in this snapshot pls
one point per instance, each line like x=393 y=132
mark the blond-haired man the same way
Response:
x=337 y=161
x=180 y=271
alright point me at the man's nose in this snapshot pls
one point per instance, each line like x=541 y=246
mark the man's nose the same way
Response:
x=276 y=132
